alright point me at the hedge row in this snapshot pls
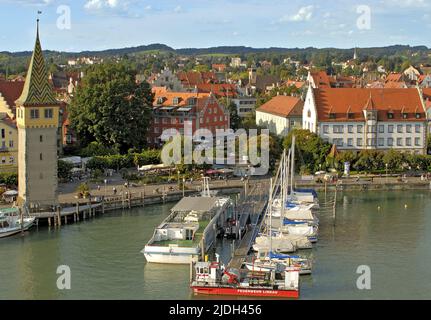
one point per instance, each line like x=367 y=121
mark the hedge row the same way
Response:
x=118 y=162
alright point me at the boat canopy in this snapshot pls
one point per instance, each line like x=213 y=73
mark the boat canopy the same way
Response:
x=312 y=191
x=198 y=204
x=299 y=215
x=291 y=222
x=273 y=255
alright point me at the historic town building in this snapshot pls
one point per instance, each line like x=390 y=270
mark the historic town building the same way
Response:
x=357 y=119
x=37 y=120
x=9 y=92
x=172 y=109
x=281 y=114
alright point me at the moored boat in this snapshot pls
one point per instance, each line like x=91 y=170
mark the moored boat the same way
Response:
x=11 y=223
x=211 y=278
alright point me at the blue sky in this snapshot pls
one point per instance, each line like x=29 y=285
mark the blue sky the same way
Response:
x=103 y=24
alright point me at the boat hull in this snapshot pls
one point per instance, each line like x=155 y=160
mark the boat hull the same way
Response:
x=29 y=222
x=169 y=255
x=10 y=233
x=245 y=292
x=267 y=269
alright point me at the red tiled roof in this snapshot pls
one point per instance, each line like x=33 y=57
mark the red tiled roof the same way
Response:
x=219 y=67
x=11 y=91
x=427 y=97
x=192 y=78
x=218 y=89
x=159 y=90
x=283 y=106
x=168 y=98
x=395 y=85
x=394 y=77
x=321 y=79
x=342 y=102
x=297 y=84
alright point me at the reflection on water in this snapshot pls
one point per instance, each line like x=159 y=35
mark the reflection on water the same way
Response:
x=372 y=228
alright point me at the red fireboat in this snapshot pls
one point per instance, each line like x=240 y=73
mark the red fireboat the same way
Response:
x=211 y=278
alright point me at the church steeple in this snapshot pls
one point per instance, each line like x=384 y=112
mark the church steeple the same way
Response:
x=37 y=90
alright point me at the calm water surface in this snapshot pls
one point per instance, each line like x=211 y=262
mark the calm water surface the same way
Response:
x=106 y=263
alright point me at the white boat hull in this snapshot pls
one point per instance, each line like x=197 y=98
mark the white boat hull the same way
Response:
x=169 y=255
x=8 y=232
x=269 y=268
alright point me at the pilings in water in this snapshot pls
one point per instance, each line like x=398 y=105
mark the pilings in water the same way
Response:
x=334 y=209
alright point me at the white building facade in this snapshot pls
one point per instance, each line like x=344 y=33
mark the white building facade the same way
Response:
x=373 y=119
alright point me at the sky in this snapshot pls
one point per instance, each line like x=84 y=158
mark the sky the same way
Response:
x=80 y=25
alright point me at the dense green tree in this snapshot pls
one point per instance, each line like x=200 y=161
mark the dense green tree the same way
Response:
x=311 y=150
x=64 y=170
x=111 y=108
x=97 y=149
x=235 y=119
x=395 y=160
x=369 y=160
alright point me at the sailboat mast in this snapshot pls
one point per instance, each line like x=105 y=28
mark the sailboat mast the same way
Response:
x=292 y=165
x=270 y=216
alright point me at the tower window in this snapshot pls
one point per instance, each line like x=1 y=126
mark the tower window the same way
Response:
x=34 y=113
x=3 y=133
x=48 y=113
x=41 y=157
x=41 y=138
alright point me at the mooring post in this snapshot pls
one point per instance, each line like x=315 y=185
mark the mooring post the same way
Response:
x=59 y=215
x=129 y=196
x=22 y=219
x=335 y=205
x=49 y=222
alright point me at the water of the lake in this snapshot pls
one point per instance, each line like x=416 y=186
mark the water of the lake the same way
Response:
x=106 y=263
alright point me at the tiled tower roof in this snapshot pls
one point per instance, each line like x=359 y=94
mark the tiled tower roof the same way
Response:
x=37 y=90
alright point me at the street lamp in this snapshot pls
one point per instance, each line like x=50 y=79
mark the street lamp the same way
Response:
x=105 y=181
x=184 y=183
x=178 y=175
x=387 y=165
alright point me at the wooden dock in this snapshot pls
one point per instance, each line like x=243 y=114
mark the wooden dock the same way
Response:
x=84 y=209
x=252 y=210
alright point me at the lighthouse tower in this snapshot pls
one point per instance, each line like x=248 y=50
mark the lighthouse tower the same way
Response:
x=37 y=120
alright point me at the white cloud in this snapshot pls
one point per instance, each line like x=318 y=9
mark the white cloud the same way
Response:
x=100 y=4
x=304 y=14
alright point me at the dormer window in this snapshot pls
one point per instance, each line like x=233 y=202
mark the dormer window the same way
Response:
x=350 y=115
x=390 y=115
x=176 y=101
x=332 y=116
x=418 y=115
x=160 y=100
x=405 y=115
